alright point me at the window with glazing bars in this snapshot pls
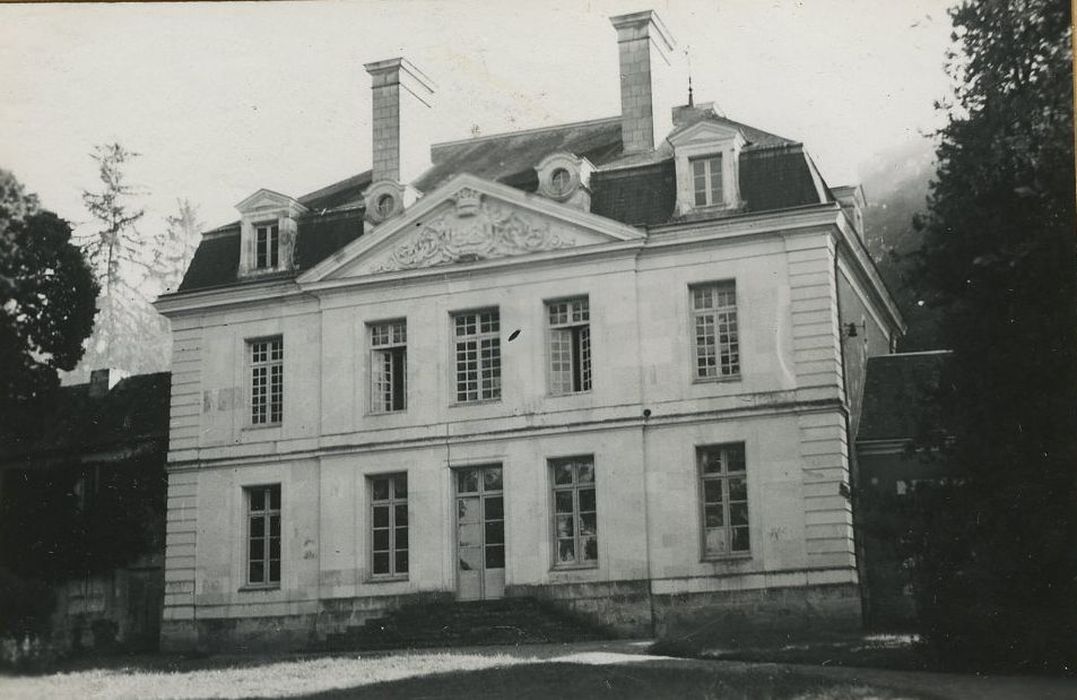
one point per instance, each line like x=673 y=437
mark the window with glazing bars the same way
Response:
x=388 y=366
x=575 y=517
x=266 y=246
x=389 y=525
x=707 y=180
x=263 y=535
x=478 y=355
x=570 y=346
x=267 y=381
x=724 y=484
x=714 y=316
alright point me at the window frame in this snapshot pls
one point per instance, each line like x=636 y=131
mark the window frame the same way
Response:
x=269 y=363
x=478 y=338
x=268 y=512
x=272 y=244
x=724 y=477
x=577 y=538
x=708 y=161
x=581 y=345
x=391 y=503
x=695 y=313
x=375 y=355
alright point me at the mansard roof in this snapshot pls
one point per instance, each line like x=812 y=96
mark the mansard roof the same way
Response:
x=637 y=190
x=901 y=396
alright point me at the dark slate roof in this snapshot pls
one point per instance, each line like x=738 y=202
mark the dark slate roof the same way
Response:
x=511 y=158
x=636 y=196
x=637 y=190
x=900 y=395
x=136 y=410
x=216 y=260
x=776 y=178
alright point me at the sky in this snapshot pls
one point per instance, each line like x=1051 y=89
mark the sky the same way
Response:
x=221 y=99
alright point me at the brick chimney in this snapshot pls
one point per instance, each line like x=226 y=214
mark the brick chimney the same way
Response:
x=646 y=49
x=402 y=100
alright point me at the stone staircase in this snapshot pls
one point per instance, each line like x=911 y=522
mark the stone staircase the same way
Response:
x=479 y=623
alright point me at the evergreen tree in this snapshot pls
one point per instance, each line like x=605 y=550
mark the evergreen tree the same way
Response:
x=182 y=232
x=46 y=299
x=995 y=551
x=125 y=262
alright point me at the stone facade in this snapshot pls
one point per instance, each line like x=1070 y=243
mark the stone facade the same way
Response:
x=642 y=419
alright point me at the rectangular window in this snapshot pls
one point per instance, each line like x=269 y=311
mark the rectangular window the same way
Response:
x=389 y=525
x=714 y=316
x=707 y=180
x=263 y=535
x=266 y=246
x=570 y=346
x=724 y=484
x=478 y=355
x=575 y=517
x=267 y=381
x=388 y=366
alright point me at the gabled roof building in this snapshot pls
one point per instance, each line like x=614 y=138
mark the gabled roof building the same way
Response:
x=611 y=364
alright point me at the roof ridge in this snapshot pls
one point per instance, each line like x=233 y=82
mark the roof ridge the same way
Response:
x=535 y=130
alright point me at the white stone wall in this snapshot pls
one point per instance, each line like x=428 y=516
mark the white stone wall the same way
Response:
x=785 y=407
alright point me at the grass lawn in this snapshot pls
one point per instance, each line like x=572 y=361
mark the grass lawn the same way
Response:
x=449 y=675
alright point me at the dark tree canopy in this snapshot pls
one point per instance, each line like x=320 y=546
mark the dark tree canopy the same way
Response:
x=995 y=554
x=46 y=297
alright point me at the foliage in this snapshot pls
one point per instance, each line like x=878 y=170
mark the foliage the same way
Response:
x=70 y=521
x=25 y=605
x=133 y=266
x=46 y=298
x=995 y=556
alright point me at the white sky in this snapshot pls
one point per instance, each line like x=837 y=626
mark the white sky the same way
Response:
x=222 y=98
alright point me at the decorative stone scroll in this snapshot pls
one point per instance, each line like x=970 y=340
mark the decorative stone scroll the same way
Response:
x=478 y=229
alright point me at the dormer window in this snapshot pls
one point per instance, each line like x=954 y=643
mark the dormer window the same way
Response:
x=269 y=225
x=565 y=177
x=707 y=180
x=266 y=246
x=560 y=182
x=706 y=155
x=386 y=204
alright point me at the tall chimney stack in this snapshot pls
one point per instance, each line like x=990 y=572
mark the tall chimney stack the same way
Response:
x=646 y=48
x=402 y=99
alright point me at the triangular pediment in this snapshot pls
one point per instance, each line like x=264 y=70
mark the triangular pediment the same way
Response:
x=470 y=220
x=264 y=200
x=704 y=132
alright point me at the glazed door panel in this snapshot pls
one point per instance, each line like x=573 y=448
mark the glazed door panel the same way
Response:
x=480 y=533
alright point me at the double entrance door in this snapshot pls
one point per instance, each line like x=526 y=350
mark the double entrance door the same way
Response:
x=480 y=533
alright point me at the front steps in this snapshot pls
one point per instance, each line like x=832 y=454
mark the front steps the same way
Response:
x=479 y=623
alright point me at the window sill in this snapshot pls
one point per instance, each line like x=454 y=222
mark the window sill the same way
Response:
x=586 y=392
x=735 y=556
x=385 y=579
x=375 y=414
x=717 y=380
x=262 y=426
x=259 y=587
x=574 y=567
x=480 y=402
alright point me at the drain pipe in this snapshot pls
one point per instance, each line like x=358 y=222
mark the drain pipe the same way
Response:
x=643 y=442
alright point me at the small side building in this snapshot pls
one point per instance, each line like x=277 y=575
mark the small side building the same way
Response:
x=82 y=509
x=900 y=421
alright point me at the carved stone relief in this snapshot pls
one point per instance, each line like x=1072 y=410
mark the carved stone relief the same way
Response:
x=478 y=229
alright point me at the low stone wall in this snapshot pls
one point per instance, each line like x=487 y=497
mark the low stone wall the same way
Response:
x=732 y=617
x=623 y=608
x=283 y=632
